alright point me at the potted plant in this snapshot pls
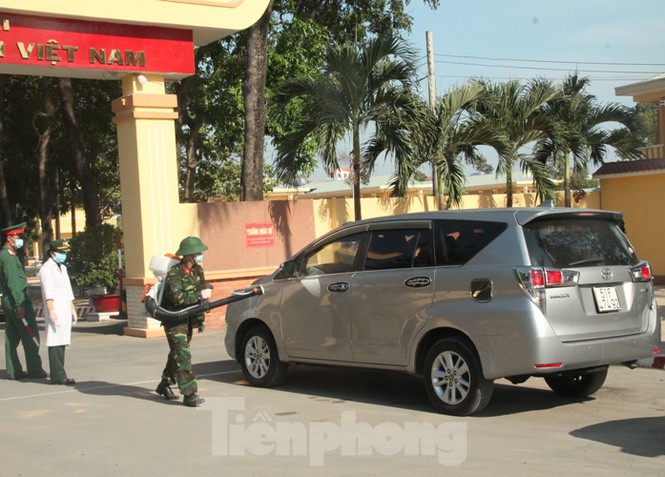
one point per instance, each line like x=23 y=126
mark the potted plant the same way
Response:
x=93 y=263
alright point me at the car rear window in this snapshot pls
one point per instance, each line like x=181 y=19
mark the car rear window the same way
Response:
x=458 y=241
x=577 y=242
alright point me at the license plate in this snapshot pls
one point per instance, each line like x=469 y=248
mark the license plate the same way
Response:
x=606 y=299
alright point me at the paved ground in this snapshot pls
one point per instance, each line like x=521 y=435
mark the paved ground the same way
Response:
x=321 y=422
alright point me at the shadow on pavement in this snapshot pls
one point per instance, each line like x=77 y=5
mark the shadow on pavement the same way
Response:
x=107 y=327
x=386 y=389
x=221 y=371
x=643 y=436
x=103 y=388
x=514 y=399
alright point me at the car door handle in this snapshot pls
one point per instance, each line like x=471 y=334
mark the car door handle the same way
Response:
x=338 y=287
x=418 y=282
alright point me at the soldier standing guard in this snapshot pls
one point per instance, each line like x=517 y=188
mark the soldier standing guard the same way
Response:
x=20 y=323
x=184 y=286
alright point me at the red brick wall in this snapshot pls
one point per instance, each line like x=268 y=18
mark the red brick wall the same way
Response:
x=223 y=288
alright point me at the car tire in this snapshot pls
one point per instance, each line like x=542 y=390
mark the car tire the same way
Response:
x=576 y=384
x=454 y=380
x=260 y=362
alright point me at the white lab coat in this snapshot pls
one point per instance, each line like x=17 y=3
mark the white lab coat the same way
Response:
x=57 y=287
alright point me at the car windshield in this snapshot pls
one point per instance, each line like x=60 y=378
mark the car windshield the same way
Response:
x=577 y=242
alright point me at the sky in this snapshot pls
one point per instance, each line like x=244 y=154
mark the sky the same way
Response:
x=612 y=42
x=625 y=38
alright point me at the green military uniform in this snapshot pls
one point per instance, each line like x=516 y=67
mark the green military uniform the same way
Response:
x=14 y=286
x=182 y=288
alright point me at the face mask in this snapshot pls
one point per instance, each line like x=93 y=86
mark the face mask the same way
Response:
x=60 y=257
x=18 y=243
x=199 y=259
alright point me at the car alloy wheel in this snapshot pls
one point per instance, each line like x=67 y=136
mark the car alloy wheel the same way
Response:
x=260 y=361
x=454 y=380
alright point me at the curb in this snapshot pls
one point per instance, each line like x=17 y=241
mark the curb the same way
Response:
x=81 y=311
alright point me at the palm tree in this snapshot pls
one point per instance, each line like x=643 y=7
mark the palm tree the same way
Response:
x=578 y=127
x=356 y=88
x=447 y=134
x=517 y=112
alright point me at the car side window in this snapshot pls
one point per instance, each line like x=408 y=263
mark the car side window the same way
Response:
x=458 y=241
x=338 y=256
x=391 y=249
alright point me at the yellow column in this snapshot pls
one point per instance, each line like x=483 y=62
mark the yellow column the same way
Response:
x=153 y=220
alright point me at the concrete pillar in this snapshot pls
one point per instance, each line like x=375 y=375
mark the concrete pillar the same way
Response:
x=153 y=220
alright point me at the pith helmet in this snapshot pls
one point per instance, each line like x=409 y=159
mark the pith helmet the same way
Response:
x=191 y=246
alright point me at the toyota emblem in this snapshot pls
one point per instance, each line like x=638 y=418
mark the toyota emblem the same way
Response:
x=606 y=273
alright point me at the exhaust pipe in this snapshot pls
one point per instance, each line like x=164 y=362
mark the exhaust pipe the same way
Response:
x=174 y=317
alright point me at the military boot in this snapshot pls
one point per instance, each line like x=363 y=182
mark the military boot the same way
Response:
x=193 y=400
x=165 y=390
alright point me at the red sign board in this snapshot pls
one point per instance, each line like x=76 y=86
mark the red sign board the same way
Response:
x=259 y=234
x=41 y=45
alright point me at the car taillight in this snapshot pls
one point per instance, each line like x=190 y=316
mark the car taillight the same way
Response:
x=554 y=277
x=535 y=277
x=534 y=281
x=641 y=272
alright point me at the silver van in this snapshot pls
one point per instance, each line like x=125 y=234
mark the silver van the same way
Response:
x=461 y=298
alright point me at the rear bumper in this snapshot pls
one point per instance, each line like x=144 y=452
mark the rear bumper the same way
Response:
x=524 y=357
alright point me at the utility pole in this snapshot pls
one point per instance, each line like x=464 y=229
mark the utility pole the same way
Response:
x=431 y=86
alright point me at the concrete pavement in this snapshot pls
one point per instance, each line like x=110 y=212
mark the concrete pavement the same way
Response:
x=113 y=423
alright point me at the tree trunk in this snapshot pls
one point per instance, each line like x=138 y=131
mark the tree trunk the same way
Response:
x=355 y=172
x=192 y=162
x=440 y=198
x=254 y=86
x=5 y=210
x=44 y=128
x=192 y=143
x=509 y=186
x=566 y=180
x=85 y=174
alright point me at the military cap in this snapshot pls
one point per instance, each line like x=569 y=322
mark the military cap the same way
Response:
x=58 y=246
x=191 y=246
x=17 y=229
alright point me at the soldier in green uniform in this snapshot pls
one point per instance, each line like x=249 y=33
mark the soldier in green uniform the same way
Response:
x=20 y=323
x=184 y=286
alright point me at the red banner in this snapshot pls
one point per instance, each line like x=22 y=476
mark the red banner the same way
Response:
x=40 y=45
x=259 y=235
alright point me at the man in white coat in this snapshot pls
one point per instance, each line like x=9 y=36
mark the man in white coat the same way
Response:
x=60 y=311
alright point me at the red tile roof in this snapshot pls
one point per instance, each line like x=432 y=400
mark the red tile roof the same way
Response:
x=631 y=167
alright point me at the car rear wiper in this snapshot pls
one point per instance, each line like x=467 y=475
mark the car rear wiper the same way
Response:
x=587 y=261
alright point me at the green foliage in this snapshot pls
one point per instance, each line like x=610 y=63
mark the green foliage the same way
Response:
x=93 y=258
x=22 y=100
x=647 y=123
x=357 y=87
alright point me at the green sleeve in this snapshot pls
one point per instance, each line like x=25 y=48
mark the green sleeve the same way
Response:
x=13 y=278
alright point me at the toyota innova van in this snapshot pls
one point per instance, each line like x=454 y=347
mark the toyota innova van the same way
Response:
x=461 y=298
